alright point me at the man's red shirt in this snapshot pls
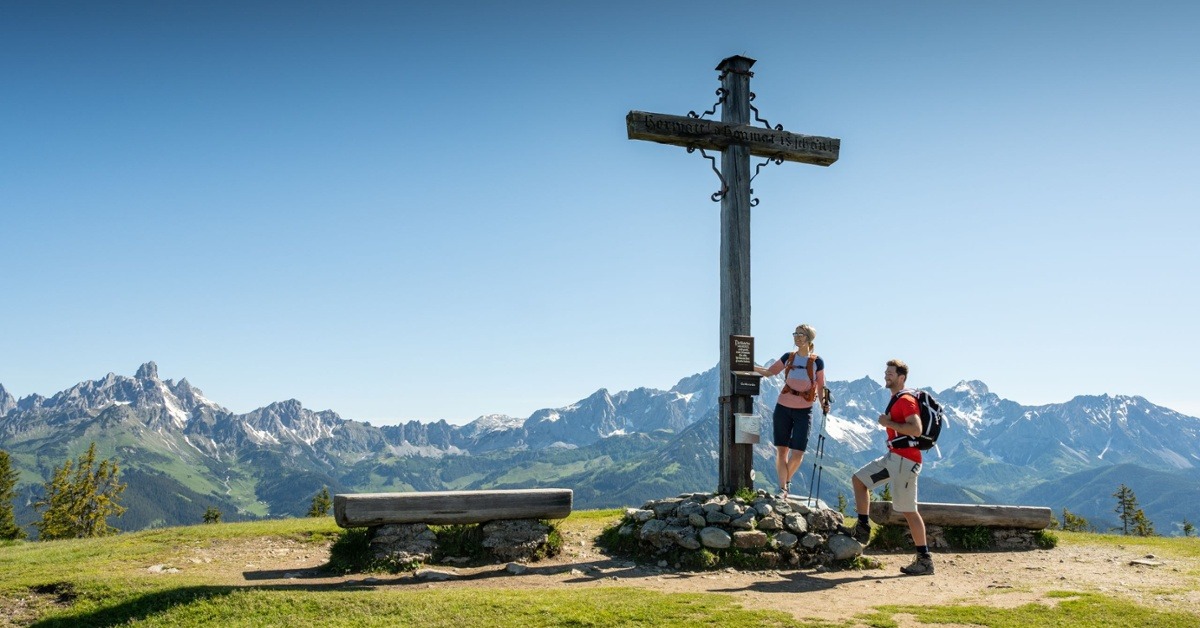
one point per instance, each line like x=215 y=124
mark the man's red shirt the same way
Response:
x=904 y=407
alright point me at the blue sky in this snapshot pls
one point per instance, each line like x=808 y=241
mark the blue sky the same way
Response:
x=403 y=210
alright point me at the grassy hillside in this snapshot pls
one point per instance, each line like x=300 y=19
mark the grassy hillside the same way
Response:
x=224 y=574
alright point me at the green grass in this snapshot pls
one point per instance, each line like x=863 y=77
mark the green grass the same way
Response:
x=124 y=557
x=228 y=606
x=1073 y=610
x=104 y=582
x=1174 y=547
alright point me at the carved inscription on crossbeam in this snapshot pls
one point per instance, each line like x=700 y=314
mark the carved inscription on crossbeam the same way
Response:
x=715 y=135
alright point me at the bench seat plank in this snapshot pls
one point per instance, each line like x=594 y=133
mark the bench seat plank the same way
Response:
x=450 y=507
x=1030 y=517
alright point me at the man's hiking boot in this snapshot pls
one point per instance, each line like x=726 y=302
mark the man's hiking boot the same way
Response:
x=861 y=532
x=921 y=566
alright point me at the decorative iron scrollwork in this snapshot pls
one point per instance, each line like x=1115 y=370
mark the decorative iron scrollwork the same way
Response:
x=721 y=93
x=754 y=201
x=719 y=194
x=777 y=127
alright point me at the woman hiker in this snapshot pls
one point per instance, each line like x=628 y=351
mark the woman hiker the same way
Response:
x=804 y=378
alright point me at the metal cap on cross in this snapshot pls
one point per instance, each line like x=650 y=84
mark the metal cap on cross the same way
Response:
x=737 y=139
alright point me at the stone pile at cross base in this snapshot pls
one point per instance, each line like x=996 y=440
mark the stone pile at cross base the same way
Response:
x=781 y=532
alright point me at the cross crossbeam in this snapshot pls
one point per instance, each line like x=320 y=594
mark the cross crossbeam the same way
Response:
x=713 y=135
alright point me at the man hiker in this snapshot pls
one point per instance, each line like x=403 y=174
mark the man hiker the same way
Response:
x=900 y=466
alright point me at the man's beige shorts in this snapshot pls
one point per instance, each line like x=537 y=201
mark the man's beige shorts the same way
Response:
x=901 y=472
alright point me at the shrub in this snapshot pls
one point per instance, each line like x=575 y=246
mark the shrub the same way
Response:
x=1045 y=539
x=890 y=537
x=969 y=538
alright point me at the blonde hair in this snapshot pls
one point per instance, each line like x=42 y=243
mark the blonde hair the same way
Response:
x=809 y=333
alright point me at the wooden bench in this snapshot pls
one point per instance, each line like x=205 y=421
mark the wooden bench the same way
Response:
x=359 y=510
x=966 y=515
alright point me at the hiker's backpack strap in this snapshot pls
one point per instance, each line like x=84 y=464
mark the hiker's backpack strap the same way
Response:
x=787 y=372
x=896 y=397
x=903 y=440
x=811 y=393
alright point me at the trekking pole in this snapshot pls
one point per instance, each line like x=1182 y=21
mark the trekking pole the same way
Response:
x=817 y=468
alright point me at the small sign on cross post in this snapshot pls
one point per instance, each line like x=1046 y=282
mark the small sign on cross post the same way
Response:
x=737 y=139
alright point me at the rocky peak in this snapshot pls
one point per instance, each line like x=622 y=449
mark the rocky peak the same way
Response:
x=7 y=401
x=974 y=387
x=148 y=370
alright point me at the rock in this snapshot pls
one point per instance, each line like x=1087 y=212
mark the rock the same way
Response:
x=402 y=542
x=786 y=540
x=687 y=509
x=666 y=507
x=516 y=539
x=433 y=575
x=811 y=540
x=744 y=522
x=515 y=569
x=715 y=538
x=627 y=530
x=690 y=542
x=772 y=522
x=697 y=521
x=763 y=507
x=827 y=520
x=674 y=533
x=717 y=518
x=844 y=547
x=733 y=509
x=796 y=523
x=749 y=538
x=651 y=529
x=642 y=516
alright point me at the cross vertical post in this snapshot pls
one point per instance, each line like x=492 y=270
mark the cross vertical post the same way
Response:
x=737 y=140
x=735 y=461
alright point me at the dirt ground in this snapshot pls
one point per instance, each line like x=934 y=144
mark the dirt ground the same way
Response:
x=1001 y=579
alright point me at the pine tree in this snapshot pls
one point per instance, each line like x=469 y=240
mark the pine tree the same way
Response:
x=212 y=515
x=321 y=503
x=9 y=530
x=1188 y=528
x=886 y=494
x=80 y=498
x=1141 y=525
x=842 y=502
x=1074 y=523
x=1127 y=508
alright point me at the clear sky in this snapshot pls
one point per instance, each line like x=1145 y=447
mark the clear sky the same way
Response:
x=401 y=210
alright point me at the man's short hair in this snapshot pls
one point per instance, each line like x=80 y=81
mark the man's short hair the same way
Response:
x=901 y=367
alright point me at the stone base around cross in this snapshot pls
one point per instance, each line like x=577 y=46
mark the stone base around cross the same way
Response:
x=706 y=530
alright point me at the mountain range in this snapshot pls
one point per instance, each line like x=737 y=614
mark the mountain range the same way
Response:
x=181 y=453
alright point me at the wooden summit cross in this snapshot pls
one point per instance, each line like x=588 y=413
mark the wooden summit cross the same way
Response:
x=737 y=139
